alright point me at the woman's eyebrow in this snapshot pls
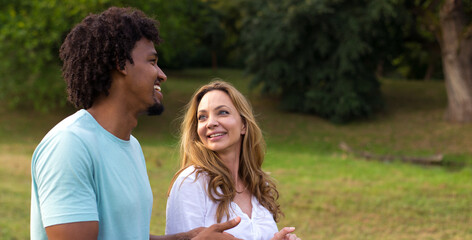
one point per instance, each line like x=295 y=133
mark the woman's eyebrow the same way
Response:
x=221 y=106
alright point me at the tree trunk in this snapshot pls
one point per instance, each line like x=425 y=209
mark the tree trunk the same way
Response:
x=429 y=71
x=379 y=72
x=456 y=50
x=214 y=60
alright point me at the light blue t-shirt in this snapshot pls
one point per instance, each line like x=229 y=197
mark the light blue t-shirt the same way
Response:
x=81 y=172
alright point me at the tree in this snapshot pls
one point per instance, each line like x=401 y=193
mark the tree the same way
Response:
x=420 y=55
x=230 y=17
x=455 y=39
x=320 y=56
x=448 y=21
x=31 y=33
x=183 y=28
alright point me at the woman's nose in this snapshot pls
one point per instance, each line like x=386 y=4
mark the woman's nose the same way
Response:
x=212 y=122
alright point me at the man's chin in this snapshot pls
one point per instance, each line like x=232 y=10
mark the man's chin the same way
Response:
x=155 y=110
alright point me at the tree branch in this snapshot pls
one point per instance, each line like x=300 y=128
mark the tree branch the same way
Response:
x=467 y=32
x=433 y=5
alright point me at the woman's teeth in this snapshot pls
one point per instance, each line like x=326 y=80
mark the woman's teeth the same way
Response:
x=216 y=135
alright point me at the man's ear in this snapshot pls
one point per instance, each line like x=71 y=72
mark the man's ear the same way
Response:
x=123 y=70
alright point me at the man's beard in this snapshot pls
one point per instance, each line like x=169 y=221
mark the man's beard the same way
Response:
x=155 y=109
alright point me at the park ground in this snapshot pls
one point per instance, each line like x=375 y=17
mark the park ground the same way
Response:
x=324 y=192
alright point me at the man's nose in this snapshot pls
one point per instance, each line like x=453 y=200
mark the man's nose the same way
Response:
x=161 y=75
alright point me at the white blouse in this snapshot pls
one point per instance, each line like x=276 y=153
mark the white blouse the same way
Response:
x=189 y=207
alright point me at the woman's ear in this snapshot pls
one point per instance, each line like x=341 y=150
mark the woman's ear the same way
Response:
x=243 y=129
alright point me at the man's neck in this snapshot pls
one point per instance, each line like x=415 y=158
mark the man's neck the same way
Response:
x=115 y=119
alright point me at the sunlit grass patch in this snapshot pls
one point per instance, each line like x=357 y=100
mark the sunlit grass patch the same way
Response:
x=324 y=192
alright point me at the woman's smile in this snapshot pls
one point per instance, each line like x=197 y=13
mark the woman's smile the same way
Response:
x=220 y=126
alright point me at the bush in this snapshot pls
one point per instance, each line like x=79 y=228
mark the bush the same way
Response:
x=31 y=33
x=320 y=56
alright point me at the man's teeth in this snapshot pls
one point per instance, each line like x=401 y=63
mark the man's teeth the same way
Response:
x=157 y=88
x=216 y=135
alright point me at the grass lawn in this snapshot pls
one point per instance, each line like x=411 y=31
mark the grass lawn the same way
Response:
x=325 y=193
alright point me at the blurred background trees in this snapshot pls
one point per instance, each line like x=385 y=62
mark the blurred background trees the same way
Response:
x=322 y=57
x=454 y=35
x=31 y=33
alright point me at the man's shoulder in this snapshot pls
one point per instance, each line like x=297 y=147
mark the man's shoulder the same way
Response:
x=79 y=123
x=74 y=129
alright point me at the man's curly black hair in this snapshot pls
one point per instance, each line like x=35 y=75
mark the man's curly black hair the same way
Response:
x=99 y=44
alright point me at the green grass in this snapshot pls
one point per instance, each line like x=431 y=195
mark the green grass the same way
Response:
x=324 y=192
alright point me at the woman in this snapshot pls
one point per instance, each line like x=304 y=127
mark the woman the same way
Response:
x=222 y=150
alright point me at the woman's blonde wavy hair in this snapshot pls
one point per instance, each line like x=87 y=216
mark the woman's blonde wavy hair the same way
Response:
x=193 y=152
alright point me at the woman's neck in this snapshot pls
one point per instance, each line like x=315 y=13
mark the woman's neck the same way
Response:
x=231 y=161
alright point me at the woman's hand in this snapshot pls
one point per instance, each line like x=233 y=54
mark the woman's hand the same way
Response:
x=285 y=234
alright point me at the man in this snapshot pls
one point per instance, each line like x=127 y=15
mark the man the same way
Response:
x=89 y=176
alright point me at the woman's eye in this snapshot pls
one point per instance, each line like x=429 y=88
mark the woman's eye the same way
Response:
x=201 y=117
x=223 y=112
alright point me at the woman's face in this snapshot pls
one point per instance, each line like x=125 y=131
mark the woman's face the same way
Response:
x=220 y=125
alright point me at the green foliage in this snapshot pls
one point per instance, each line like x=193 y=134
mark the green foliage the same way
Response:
x=320 y=56
x=192 y=30
x=31 y=33
x=230 y=16
x=420 y=55
x=181 y=26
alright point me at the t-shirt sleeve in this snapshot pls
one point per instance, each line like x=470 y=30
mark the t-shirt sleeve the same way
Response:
x=63 y=172
x=186 y=205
